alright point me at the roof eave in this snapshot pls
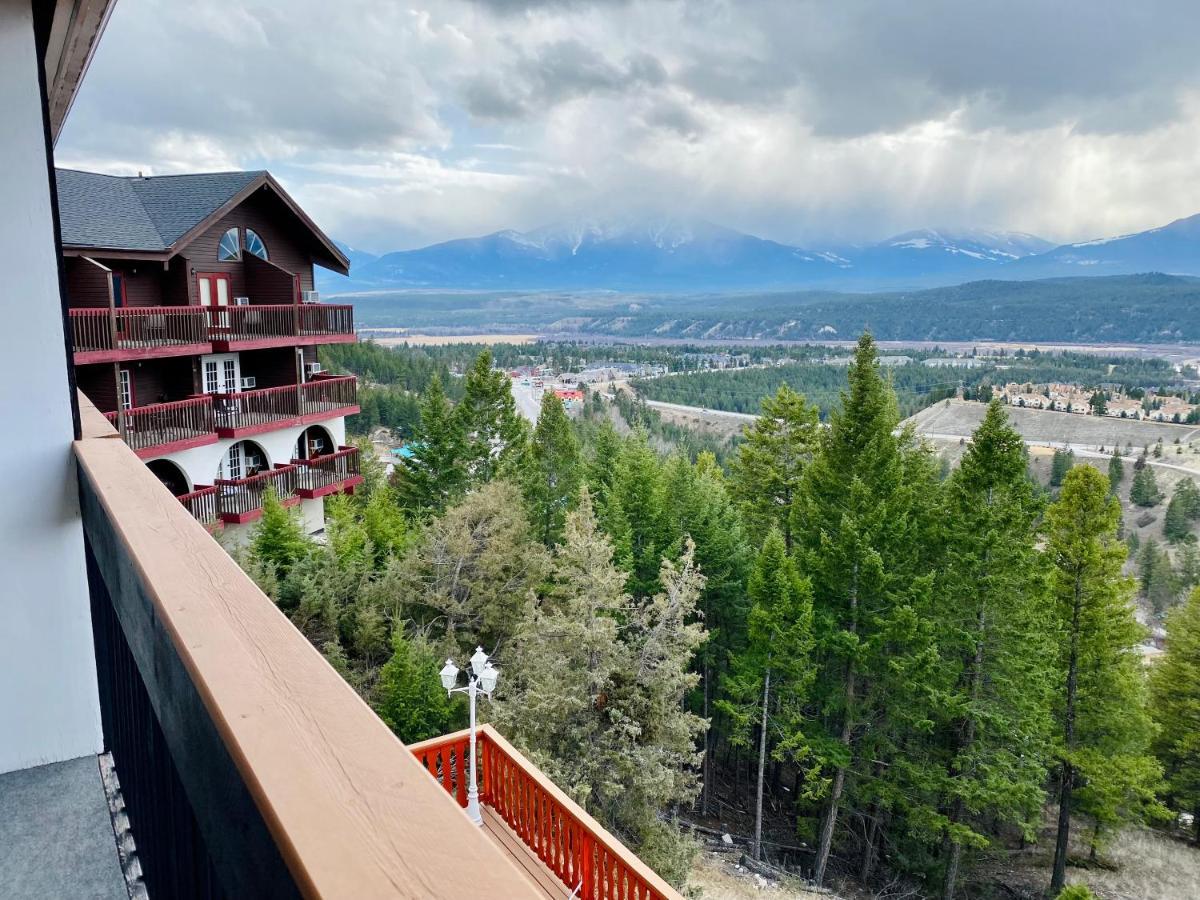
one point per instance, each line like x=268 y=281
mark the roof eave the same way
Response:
x=116 y=252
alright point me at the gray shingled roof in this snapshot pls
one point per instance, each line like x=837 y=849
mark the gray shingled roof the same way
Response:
x=148 y=214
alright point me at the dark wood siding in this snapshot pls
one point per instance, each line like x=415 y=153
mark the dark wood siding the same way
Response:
x=99 y=384
x=271 y=368
x=87 y=283
x=154 y=381
x=266 y=283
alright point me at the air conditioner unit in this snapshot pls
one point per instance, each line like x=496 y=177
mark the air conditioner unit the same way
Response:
x=312 y=368
x=249 y=382
x=241 y=301
x=253 y=461
x=317 y=444
x=310 y=297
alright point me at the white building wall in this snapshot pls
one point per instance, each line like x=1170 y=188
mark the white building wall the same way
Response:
x=49 y=706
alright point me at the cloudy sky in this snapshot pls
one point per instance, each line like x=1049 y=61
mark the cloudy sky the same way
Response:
x=397 y=124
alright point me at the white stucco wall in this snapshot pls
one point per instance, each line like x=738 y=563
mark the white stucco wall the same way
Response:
x=49 y=707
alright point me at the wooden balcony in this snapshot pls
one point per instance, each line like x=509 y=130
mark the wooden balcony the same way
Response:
x=330 y=474
x=108 y=335
x=166 y=427
x=248 y=767
x=285 y=325
x=240 y=500
x=203 y=504
x=564 y=850
x=253 y=412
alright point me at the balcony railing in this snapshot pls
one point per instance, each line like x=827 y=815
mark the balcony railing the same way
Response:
x=263 y=325
x=576 y=848
x=328 y=392
x=241 y=499
x=327 y=474
x=176 y=425
x=202 y=503
x=105 y=335
x=246 y=411
x=248 y=767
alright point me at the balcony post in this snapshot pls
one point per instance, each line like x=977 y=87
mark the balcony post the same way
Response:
x=117 y=385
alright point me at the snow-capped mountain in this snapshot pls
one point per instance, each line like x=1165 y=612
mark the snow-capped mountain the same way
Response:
x=672 y=254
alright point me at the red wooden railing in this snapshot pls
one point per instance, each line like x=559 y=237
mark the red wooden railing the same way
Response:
x=201 y=503
x=322 y=471
x=325 y=392
x=164 y=423
x=257 y=407
x=237 y=497
x=136 y=328
x=573 y=845
x=249 y=323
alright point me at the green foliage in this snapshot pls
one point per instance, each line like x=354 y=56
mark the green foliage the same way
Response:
x=436 y=473
x=488 y=417
x=636 y=513
x=409 y=695
x=766 y=471
x=1103 y=729
x=1175 y=686
x=278 y=541
x=1156 y=576
x=1182 y=511
x=1116 y=471
x=1060 y=466
x=552 y=472
x=1075 y=892
x=1144 y=491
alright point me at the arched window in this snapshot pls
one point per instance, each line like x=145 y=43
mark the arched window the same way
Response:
x=255 y=245
x=228 y=250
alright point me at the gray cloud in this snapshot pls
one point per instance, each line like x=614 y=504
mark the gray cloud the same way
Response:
x=797 y=119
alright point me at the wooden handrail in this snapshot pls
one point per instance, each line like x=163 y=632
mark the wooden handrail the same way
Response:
x=345 y=805
x=579 y=850
x=162 y=423
x=136 y=327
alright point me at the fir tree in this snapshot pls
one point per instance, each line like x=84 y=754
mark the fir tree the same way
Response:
x=1156 y=576
x=1175 y=685
x=278 y=541
x=1060 y=466
x=636 y=510
x=1102 y=726
x=776 y=658
x=862 y=531
x=765 y=474
x=1182 y=511
x=409 y=696
x=495 y=432
x=1144 y=491
x=436 y=472
x=552 y=472
x=1116 y=472
x=993 y=643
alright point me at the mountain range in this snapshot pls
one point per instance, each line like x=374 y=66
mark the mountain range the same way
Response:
x=675 y=255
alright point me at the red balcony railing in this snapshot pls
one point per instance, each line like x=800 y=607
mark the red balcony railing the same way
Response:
x=569 y=842
x=234 y=324
x=327 y=392
x=107 y=333
x=180 y=423
x=248 y=409
x=326 y=474
x=201 y=503
x=241 y=499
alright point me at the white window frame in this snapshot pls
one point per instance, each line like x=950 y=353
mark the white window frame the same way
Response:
x=225 y=367
x=125 y=389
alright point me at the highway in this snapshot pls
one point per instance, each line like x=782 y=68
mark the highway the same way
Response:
x=529 y=403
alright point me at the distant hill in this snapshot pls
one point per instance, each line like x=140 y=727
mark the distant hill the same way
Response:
x=675 y=255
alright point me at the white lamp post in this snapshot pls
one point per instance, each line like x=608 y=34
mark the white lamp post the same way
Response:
x=481 y=679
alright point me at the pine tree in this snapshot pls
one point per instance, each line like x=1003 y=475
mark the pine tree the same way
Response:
x=1116 y=472
x=278 y=541
x=1175 y=686
x=1102 y=727
x=1156 y=576
x=776 y=657
x=1182 y=511
x=636 y=510
x=1144 y=491
x=436 y=472
x=409 y=696
x=594 y=691
x=765 y=474
x=862 y=528
x=552 y=472
x=495 y=432
x=1060 y=466
x=993 y=643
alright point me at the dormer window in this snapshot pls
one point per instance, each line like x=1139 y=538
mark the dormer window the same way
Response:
x=229 y=250
x=255 y=245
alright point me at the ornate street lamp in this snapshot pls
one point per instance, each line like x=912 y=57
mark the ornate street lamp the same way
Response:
x=481 y=679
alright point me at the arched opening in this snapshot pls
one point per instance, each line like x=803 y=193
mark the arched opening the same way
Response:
x=170 y=475
x=315 y=440
x=243 y=459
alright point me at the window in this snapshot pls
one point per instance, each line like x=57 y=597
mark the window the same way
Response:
x=126 y=389
x=255 y=245
x=228 y=250
x=233 y=462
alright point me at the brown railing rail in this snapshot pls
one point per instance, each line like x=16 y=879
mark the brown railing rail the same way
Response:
x=164 y=423
x=322 y=318
x=322 y=471
x=201 y=503
x=573 y=845
x=137 y=328
x=258 y=407
x=325 y=392
x=238 y=496
x=244 y=323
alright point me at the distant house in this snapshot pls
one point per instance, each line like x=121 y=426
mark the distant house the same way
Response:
x=1123 y=408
